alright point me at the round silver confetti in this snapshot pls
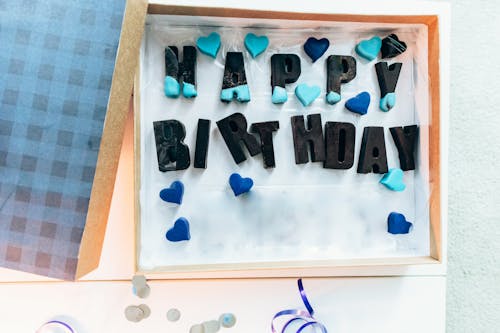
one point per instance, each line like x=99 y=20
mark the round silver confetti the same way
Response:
x=139 y=281
x=211 y=326
x=145 y=309
x=173 y=314
x=198 y=328
x=227 y=320
x=143 y=291
x=134 y=313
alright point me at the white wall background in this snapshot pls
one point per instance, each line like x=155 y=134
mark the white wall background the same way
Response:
x=473 y=295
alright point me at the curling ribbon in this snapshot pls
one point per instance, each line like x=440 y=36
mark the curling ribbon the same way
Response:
x=55 y=326
x=299 y=315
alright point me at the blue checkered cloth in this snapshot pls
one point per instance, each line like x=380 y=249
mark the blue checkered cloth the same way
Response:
x=56 y=64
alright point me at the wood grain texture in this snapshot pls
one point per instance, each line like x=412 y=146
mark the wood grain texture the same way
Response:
x=109 y=153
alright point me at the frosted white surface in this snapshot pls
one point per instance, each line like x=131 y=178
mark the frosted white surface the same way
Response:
x=294 y=212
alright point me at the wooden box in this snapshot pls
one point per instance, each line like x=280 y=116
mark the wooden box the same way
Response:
x=318 y=18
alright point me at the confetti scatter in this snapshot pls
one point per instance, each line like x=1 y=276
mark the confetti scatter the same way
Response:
x=227 y=320
x=173 y=315
x=136 y=313
x=140 y=287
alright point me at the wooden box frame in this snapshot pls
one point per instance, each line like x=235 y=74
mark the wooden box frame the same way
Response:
x=436 y=18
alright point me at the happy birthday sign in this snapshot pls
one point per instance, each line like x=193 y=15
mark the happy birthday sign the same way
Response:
x=332 y=143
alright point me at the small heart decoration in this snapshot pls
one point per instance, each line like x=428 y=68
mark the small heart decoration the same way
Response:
x=240 y=185
x=256 y=44
x=387 y=102
x=359 y=104
x=279 y=96
x=392 y=46
x=189 y=90
x=209 y=45
x=315 y=48
x=397 y=224
x=369 y=48
x=172 y=88
x=333 y=98
x=180 y=231
x=306 y=93
x=174 y=193
x=393 y=180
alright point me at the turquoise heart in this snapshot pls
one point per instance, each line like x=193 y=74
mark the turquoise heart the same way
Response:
x=256 y=44
x=387 y=102
x=370 y=48
x=332 y=97
x=279 y=95
x=307 y=94
x=393 y=180
x=241 y=93
x=188 y=90
x=209 y=45
x=172 y=88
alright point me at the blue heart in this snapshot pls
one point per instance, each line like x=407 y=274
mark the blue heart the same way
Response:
x=307 y=94
x=173 y=193
x=393 y=180
x=188 y=90
x=387 y=102
x=209 y=45
x=240 y=185
x=359 y=104
x=315 y=48
x=370 y=48
x=180 y=231
x=256 y=44
x=397 y=224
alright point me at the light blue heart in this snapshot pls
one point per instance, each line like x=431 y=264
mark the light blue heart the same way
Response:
x=242 y=94
x=307 y=94
x=387 y=102
x=209 y=45
x=188 y=90
x=256 y=44
x=370 y=48
x=172 y=88
x=332 y=97
x=279 y=95
x=393 y=180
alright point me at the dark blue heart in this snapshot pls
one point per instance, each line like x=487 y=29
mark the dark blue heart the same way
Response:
x=180 y=231
x=359 y=104
x=315 y=48
x=397 y=224
x=173 y=193
x=240 y=185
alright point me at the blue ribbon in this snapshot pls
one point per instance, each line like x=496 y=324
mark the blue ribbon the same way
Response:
x=48 y=327
x=299 y=315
